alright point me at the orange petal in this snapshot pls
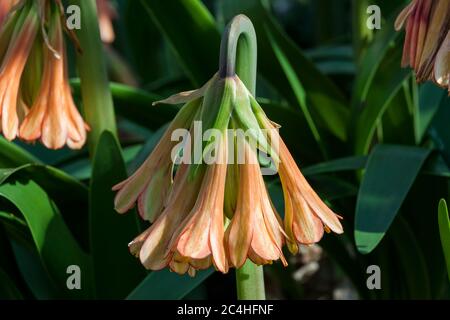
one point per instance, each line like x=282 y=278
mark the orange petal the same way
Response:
x=404 y=15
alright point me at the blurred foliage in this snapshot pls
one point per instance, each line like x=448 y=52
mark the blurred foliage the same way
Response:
x=373 y=143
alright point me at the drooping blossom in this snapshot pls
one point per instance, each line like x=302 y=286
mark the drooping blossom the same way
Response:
x=220 y=213
x=426 y=48
x=53 y=117
x=35 y=97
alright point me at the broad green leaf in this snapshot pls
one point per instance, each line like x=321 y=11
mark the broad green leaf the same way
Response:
x=342 y=164
x=329 y=110
x=332 y=188
x=293 y=129
x=8 y=289
x=116 y=271
x=167 y=285
x=51 y=235
x=190 y=29
x=397 y=123
x=438 y=130
x=390 y=172
x=298 y=89
x=387 y=82
x=7 y=260
x=12 y=155
x=34 y=273
x=412 y=262
x=444 y=229
x=82 y=169
x=371 y=62
x=431 y=97
x=69 y=194
x=136 y=105
x=434 y=166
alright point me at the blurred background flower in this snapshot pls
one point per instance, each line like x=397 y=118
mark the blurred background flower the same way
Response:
x=427 y=25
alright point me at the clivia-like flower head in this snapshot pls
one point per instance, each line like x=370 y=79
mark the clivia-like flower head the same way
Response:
x=426 y=46
x=219 y=212
x=35 y=97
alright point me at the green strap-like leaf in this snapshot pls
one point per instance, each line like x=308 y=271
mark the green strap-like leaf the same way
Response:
x=12 y=155
x=167 y=285
x=372 y=60
x=116 y=271
x=390 y=172
x=412 y=261
x=191 y=31
x=284 y=64
x=387 y=82
x=431 y=97
x=54 y=242
x=435 y=166
x=68 y=193
x=8 y=290
x=444 y=230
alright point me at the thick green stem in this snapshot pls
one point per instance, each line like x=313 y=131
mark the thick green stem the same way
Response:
x=97 y=100
x=238 y=55
x=238 y=52
x=250 y=282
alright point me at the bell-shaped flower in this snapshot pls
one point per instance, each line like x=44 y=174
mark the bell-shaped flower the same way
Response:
x=219 y=212
x=306 y=215
x=16 y=36
x=426 y=42
x=255 y=231
x=35 y=97
x=53 y=117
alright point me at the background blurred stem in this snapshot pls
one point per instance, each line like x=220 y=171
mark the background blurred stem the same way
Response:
x=238 y=55
x=361 y=34
x=97 y=100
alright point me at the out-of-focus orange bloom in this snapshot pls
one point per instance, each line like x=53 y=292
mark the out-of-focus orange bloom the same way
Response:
x=106 y=14
x=426 y=47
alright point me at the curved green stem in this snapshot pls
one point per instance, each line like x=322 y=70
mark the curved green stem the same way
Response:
x=238 y=55
x=97 y=100
x=238 y=52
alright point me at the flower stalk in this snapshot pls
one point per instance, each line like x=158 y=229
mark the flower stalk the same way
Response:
x=238 y=55
x=97 y=100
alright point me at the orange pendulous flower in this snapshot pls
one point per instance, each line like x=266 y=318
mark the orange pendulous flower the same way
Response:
x=17 y=35
x=220 y=213
x=53 y=117
x=255 y=231
x=35 y=97
x=426 y=48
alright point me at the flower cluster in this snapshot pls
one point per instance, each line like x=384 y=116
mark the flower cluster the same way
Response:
x=35 y=97
x=427 y=42
x=221 y=213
